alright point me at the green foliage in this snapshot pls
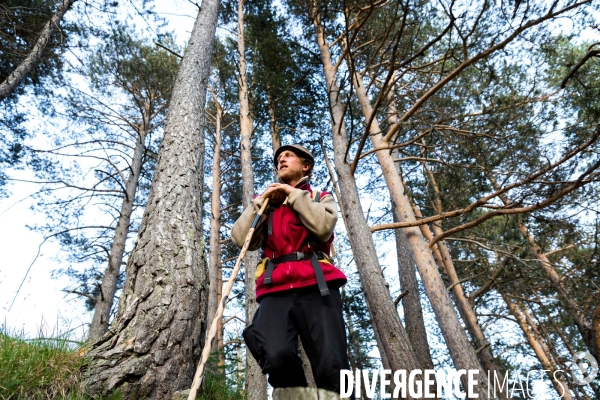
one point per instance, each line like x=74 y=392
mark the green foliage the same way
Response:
x=20 y=24
x=215 y=387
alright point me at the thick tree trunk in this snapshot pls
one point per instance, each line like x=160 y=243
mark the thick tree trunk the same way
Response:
x=256 y=384
x=152 y=347
x=392 y=340
x=214 y=260
x=462 y=353
x=108 y=286
x=16 y=77
x=538 y=347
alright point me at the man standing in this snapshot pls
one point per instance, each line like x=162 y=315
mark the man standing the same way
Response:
x=297 y=285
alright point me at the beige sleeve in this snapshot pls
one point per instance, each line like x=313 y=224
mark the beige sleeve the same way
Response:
x=242 y=226
x=319 y=217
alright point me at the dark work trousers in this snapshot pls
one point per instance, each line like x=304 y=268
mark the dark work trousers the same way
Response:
x=272 y=338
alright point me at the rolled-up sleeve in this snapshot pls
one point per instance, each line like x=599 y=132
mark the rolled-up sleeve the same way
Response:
x=240 y=228
x=318 y=217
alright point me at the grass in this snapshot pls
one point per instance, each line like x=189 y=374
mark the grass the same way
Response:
x=43 y=368
x=48 y=368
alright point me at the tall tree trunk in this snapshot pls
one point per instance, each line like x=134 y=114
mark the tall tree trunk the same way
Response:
x=15 y=78
x=457 y=292
x=274 y=128
x=152 y=347
x=538 y=346
x=411 y=302
x=108 y=286
x=583 y=325
x=221 y=325
x=392 y=340
x=581 y=321
x=462 y=353
x=214 y=260
x=256 y=383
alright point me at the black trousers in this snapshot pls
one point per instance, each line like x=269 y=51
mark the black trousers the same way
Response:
x=272 y=338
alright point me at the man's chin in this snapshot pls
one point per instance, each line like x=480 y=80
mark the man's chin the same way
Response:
x=284 y=178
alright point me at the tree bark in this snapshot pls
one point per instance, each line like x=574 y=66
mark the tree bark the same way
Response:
x=583 y=325
x=538 y=346
x=152 y=347
x=596 y=331
x=457 y=292
x=108 y=286
x=256 y=384
x=392 y=340
x=462 y=353
x=214 y=260
x=310 y=379
x=274 y=128
x=411 y=302
x=16 y=77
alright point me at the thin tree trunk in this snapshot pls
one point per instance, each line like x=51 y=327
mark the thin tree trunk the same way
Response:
x=108 y=286
x=221 y=325
x=16 y=77
x=462 y=353
x=596 y=331
x=256 y=384
x=458 y=294
x=214 y=260
x=310 y=379
x=583 y=325
x=152 y=347
x=274 y=128
x=537 y=345
x=411 y=302
x=392 y=340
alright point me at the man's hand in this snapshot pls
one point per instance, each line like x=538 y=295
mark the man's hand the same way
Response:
x=277 y=192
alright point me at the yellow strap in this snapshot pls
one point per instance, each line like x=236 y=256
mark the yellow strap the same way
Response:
x=260 y=268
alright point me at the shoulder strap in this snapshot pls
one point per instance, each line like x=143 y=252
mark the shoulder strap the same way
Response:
x=316 y=196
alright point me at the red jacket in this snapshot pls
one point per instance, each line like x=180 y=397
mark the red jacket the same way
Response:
x=289 y=235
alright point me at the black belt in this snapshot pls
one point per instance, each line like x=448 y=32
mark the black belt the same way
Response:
x=299 y=256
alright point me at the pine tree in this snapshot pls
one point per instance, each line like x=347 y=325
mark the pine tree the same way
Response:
x=161 y=321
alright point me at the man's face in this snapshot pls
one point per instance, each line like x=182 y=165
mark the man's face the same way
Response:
x=290 y=167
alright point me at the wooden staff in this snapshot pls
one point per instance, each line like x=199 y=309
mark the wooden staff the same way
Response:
x=219 y=314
